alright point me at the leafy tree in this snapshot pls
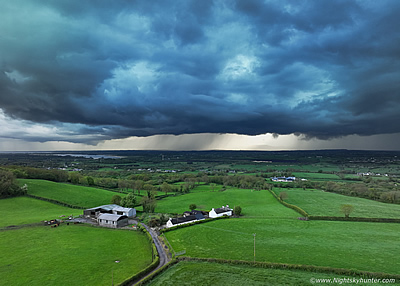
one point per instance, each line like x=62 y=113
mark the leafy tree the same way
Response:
x=139 y=185
x=129 y=201
x=213 y=185
x=237 y=210
x=149 y=189
x=347 y=210
x=163 y=219
x=154 y=222
x=90 y=181
x=149 y=204
x=283 y=196
x=192 y=206
x=9 y=186
x=74 y=178
x=165 y=187
x=116 y=199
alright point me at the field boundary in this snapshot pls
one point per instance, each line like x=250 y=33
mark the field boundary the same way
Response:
x=153 y=265
x=55 y=202
x=356 y=219
x=293 y=207
x=157 y=272
x=303 y=267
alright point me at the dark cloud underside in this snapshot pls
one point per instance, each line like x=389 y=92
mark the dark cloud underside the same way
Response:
x=114 y=69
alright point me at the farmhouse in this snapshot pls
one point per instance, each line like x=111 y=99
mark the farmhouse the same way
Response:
x=188 y=217
x=112 y=220
x=109 y=209
x=220 y=212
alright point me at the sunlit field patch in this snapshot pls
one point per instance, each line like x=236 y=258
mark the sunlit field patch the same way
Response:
x=352 y=245
x=320 y=203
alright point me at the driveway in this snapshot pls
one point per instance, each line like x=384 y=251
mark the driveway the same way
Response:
x=164 y=259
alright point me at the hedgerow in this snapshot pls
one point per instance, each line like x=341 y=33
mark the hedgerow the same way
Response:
x=149 y=268
x=358 y=219
x=157 y=272
x=55 y=202
x=309 y=268
x=293 y=207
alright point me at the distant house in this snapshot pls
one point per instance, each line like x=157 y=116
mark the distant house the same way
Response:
x=283 y=179
x=109 y=209
x=112 y=220
x=187 y=217
x=220 y=212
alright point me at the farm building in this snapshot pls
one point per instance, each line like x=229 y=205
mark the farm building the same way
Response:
x=220 y=212
x=112 y=220
x=192 y=217
x=283 y=179
x=129 y=212
x=109 y=209
x=195 y=212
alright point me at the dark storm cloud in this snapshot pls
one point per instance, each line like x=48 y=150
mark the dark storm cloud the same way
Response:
x=115 y=69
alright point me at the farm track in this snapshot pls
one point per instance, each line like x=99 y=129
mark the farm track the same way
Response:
x=162 y=254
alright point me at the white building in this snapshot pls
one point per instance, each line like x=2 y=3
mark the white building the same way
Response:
x=194 y=216
x=220 y=212
x=112 y=220
x=283 y=179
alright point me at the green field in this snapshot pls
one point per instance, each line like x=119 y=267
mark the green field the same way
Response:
x=316 y=176
x=253 y=203
x=24 y=210
x=352 y=245
x=320 y=203
x=85 y=197
x=207 y=273
x=71 y=255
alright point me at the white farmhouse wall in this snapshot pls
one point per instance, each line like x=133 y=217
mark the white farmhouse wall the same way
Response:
x=213 y=214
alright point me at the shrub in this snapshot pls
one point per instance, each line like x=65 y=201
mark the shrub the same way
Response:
x=237 y=210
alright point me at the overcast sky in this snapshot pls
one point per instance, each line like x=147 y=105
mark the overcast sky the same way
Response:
x=224 y=74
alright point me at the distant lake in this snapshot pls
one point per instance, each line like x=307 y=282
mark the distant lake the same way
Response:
x=90 y=156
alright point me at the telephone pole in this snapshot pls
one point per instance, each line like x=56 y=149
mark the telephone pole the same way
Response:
x=254 y=247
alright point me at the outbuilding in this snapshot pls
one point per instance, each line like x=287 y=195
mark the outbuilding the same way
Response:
x=112 y=220
x=109 y=209
x=129 y=212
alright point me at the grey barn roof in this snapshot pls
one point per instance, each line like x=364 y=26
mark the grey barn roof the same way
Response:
x=222 y=210
x=112 y=217
x=109 y=207
x=187 y=218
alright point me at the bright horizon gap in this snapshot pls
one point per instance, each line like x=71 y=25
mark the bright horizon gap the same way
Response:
x=213 y=142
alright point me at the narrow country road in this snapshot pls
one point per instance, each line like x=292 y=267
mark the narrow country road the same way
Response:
x=164 y=259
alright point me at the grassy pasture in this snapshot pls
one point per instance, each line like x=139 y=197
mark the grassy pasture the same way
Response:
x=70 y=194
x=199 y=188
x=352 y=245
x=24 y=210
x=253 y=203
x=208 y=273
x=71 y=255
x=320 y=203
x=316 y=176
